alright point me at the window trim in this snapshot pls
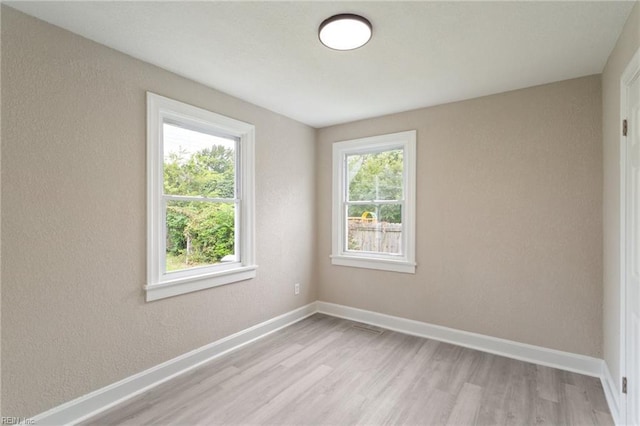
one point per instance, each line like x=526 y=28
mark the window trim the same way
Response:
x=161 y=284
x=387 y=262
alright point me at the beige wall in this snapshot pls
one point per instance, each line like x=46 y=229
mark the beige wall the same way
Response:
x=509 y=239
x=74 y=214
x=627 y=45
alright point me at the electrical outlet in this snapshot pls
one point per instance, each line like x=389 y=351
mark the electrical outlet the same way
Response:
x=296 y=288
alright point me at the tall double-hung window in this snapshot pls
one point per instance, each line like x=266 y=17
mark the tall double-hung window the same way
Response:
x=374 y=202
x=200 y=199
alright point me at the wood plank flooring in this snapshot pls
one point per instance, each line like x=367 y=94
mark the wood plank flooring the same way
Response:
x=325 y=370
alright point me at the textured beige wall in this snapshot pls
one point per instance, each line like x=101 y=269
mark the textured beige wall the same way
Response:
x=627 y=45
x=74 y=214
x=509 y=207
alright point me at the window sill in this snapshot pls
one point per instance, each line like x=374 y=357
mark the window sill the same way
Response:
x=374 y=263
x=199 y=282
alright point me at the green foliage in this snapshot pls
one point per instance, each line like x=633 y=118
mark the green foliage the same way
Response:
x=376 y=176
x=207 y=173
x=211 y=233
x=177 y=221
x=199 y=232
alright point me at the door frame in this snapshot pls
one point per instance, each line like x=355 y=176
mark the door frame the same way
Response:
x=630 y=73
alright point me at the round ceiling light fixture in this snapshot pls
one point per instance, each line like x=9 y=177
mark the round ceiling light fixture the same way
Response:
x=345 y=31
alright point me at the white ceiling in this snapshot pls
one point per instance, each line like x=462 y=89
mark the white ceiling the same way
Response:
x=421 y=53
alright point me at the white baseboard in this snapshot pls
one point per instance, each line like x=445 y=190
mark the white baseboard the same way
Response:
x=521 y=351
x=100 y=400
x=611 y=393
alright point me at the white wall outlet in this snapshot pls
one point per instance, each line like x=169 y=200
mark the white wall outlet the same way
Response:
x=296 y=288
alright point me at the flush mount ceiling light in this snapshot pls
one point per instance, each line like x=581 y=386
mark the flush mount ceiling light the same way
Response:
x=345 y=31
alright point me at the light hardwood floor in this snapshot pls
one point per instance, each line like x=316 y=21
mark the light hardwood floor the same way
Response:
x=325 y=370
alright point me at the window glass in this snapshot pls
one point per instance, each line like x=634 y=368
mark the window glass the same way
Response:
x=375 y=176
x=199 y=234
x=374 y=228
x=198 y=164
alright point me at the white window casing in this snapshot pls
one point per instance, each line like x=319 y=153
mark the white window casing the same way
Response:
x=405 y=261
x=162 y=284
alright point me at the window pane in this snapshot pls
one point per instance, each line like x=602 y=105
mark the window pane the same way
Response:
x=375 y=228
x=375 y=176
x=198 y=164
x=199 y=234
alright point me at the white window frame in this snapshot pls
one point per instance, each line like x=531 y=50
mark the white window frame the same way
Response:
x=162 y=284
x=405 y=262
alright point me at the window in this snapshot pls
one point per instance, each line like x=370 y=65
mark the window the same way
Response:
x=199 y=199
x=374 y=202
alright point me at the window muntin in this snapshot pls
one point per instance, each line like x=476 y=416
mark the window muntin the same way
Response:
x=374 y=202
x=200 y=169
